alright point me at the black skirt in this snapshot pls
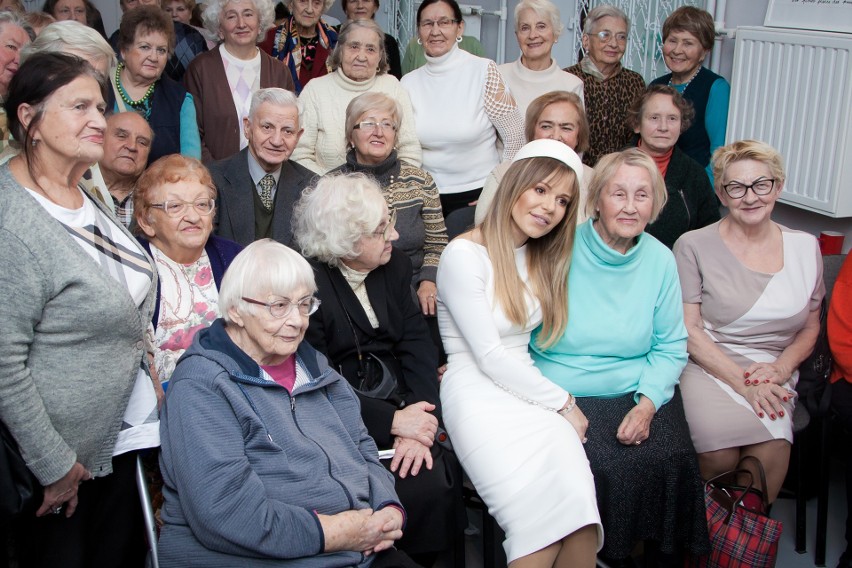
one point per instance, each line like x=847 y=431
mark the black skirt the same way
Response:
x=652 y=491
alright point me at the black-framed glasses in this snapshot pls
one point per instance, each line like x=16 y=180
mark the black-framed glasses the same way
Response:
x=176 y=208
x=737 y=190
x=384 y=233
x=443 y=23
x=284 y=307
x=370 y=125
x=607 y=35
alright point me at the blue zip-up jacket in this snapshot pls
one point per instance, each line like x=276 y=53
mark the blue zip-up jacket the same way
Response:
x=247 y=467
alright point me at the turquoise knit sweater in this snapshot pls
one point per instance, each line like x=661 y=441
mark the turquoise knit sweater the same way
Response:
x=625 y=329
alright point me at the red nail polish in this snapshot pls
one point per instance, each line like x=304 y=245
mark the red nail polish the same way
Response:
x=748 y=382
x=760 y=414
x=747 y=374
x=785 y=400
x=766 y=381
x=772 y=417
x=781 y=414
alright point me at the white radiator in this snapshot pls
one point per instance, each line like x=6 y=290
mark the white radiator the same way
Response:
x=793 y=89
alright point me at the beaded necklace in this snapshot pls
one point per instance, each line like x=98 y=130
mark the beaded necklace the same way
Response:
x=144 y=103
x=683 y=86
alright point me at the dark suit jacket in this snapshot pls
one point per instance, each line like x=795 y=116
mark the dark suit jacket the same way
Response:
x=215 y=112
x=235 y=202
x=402 y=331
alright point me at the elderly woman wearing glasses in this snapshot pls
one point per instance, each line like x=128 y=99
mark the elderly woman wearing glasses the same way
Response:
x=174 y=202
x=608 y=88
x=265 y=458
x=373 y=333
x=360 y=65
x=751 y=298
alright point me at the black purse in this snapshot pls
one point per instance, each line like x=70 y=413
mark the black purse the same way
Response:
x=814 y=387
x=20 y=491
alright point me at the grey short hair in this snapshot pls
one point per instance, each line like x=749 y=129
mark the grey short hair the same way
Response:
x=607 y=166
x=543 y=9
x=369 y=101
x=603 y=11
x=333 y=215
x=59 y=36
x=264 y=267
x=14 y=18
x=325 y=5
x=343 y=37
x=275 y=96
x=213 y=11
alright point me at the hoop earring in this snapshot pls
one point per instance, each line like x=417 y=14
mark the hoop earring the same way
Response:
x=419 y=42
x=459 y=39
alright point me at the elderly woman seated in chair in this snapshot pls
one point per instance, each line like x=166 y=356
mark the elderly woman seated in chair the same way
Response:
x=374 y=334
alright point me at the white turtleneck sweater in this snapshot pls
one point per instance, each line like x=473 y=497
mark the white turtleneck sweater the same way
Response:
x=527 y=85
x=460 y=105
x=322 y=106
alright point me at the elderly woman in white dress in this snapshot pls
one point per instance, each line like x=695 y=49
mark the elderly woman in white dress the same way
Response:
x=537 y=27
x=360 y=65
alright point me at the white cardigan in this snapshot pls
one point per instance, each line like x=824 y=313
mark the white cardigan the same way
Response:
x=322 y=106
x=527 y=85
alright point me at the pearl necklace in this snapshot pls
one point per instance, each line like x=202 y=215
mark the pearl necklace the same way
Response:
x=685 y=85
x=124 y=96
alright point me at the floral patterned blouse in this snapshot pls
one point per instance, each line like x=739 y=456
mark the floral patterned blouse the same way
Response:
x=189 y=301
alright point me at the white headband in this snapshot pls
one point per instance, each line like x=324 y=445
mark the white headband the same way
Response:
x=552 y=149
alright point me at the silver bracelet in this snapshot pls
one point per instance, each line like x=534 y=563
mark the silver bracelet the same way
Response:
x=569 y=407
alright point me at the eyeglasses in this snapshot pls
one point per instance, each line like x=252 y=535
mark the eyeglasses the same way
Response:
x=607 y=35
x=443 y=23
x=737 y=190
x=384 y=233
x=176 y=208
x=282 y=308
x=371 y=125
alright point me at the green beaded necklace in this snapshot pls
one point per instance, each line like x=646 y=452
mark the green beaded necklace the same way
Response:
x=125 y=97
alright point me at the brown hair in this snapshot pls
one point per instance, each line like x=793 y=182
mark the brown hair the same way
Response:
x=637 y=107
x=538 y=106
x=145 y=19
x=692 y=20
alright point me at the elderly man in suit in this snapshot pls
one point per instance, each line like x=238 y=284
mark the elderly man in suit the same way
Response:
x=259 y=185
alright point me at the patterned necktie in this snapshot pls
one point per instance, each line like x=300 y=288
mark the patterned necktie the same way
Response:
x=266 y=184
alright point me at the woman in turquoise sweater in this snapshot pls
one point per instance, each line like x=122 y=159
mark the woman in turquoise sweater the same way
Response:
x=621 y=355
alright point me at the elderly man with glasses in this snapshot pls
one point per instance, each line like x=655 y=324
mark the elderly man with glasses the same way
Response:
x=609 y=88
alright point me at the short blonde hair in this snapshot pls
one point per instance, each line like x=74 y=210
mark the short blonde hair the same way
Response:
x=371 y=101
x=755 y=150
x=605 y=170
x=332 y=216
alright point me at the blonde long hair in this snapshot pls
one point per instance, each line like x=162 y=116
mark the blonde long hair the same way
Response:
x=548 y=257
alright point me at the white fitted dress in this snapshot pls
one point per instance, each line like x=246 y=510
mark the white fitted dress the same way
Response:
x=525 y=460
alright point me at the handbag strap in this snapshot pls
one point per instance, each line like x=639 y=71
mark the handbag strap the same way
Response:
x=731 y=502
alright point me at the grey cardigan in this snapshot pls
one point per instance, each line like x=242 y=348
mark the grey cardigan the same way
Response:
x=71 y=341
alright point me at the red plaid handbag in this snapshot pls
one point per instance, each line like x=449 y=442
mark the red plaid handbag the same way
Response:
x=742 y=535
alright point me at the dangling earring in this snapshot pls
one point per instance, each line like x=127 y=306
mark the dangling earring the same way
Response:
x=419 y=42
x=459 y=39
